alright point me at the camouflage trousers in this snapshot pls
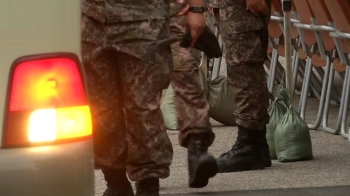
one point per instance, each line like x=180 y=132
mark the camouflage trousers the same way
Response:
x=191 y=103
x=127 y=65
x=246 y=39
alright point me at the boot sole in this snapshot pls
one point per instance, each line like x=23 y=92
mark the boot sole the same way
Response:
x=241 y=167
x=206 y=168
x=268 y=163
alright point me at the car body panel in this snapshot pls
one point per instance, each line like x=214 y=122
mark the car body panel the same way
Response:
x=65 y=169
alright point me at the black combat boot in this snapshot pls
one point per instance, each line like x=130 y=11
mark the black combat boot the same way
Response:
x=147 y=187
x=201 y=165
x=246 y=153
x=117 y=183
x=265 y=148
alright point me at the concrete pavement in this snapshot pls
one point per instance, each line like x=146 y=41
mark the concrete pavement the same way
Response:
x=329 y=169
x=322 y=191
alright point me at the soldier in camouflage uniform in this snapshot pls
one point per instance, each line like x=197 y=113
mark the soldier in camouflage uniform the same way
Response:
x=127 y=61
x=243 y=25
x=191 y=103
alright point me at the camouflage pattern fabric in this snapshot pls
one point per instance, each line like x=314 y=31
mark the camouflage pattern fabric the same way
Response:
x=112 y=11
x=246 y=40
x=213 y=4
x=176 y=7
x=127 y=65
x=191 y=103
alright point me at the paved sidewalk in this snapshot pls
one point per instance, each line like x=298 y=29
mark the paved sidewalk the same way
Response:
x=329 y=168
x=323 y=191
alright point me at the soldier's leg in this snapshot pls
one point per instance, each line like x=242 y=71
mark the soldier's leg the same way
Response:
x=149 y=147
x=191 y=103
x=106 y=104
x=192 y=108
x=247 y=80
x=144 y=74
x=245 y=54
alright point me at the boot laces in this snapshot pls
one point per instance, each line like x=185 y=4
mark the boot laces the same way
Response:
x=235 y=148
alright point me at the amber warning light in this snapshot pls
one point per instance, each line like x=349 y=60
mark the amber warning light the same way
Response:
x=47 y=103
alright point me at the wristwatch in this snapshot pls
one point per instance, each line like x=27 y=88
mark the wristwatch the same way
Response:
x=197 y=9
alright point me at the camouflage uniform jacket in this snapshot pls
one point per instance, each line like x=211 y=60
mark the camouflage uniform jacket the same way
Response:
x=128 y=10
x=244 y=21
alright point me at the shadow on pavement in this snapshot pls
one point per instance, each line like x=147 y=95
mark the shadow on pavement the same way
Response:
x=312 y=191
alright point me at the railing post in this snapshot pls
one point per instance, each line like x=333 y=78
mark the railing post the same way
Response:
x=287 y=8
